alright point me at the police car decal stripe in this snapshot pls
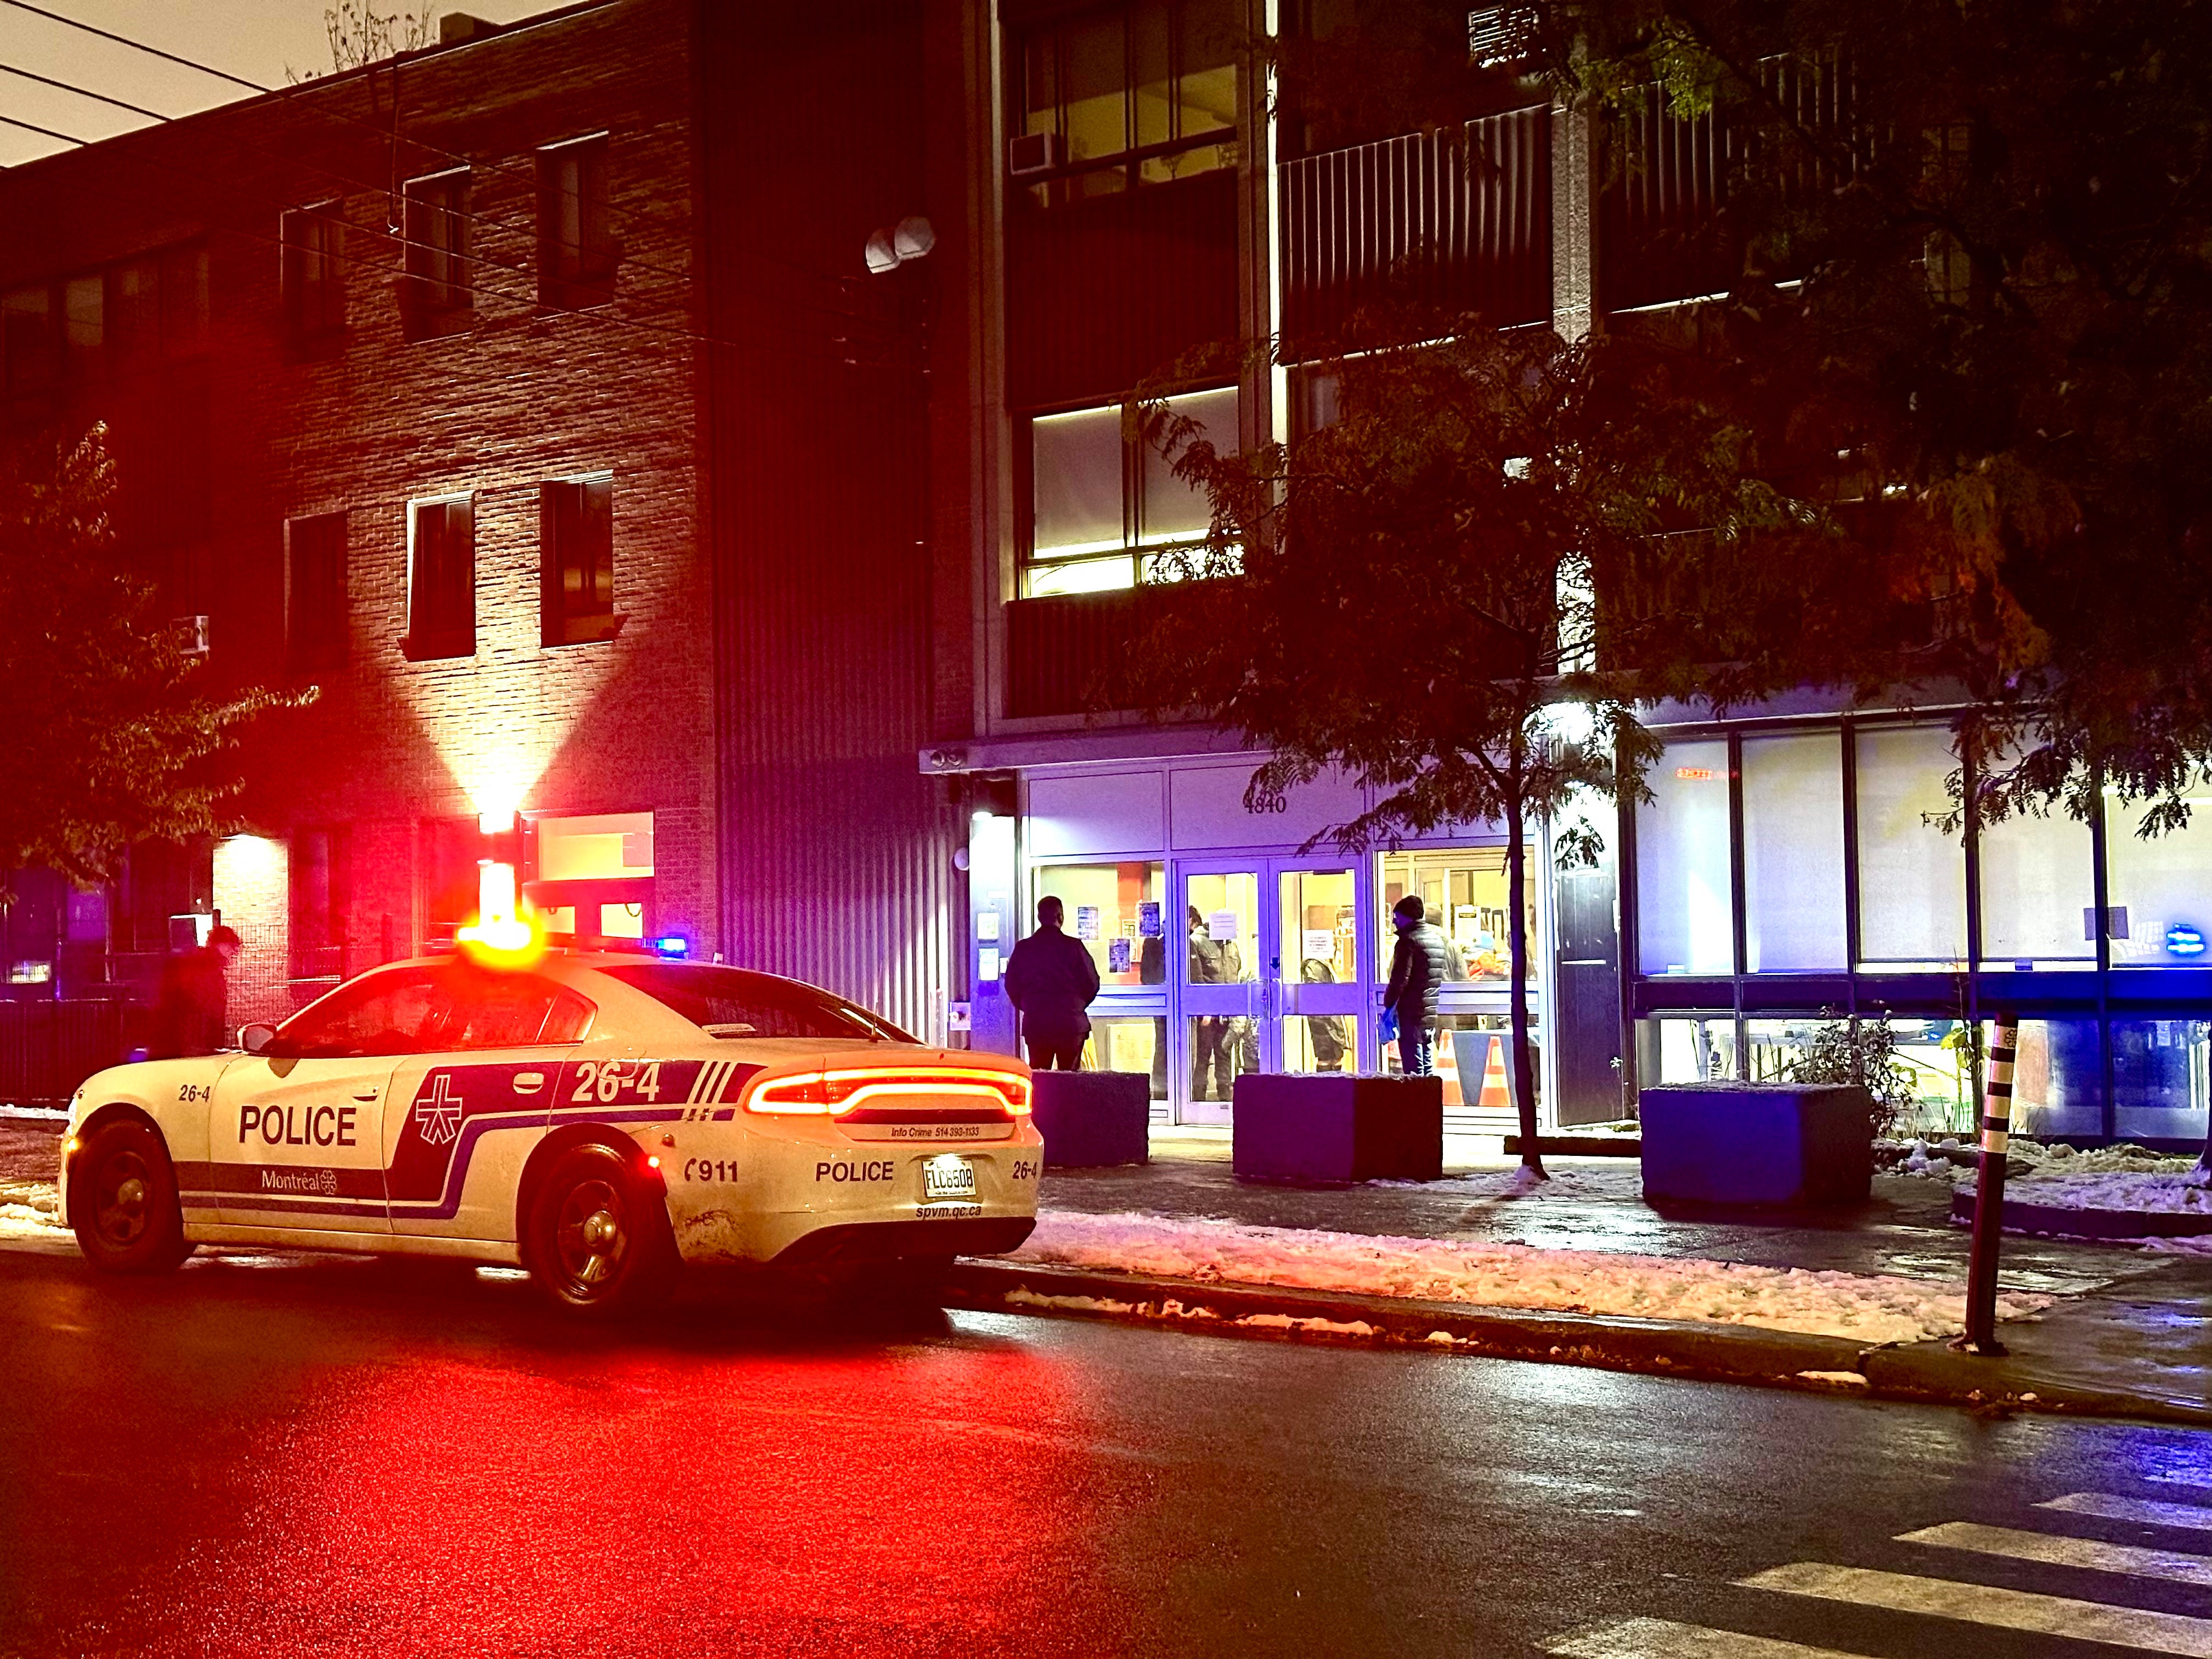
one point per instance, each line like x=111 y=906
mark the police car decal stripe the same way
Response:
x=455 y=1107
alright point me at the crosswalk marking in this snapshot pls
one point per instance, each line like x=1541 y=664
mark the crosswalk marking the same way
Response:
x=2055 y=1550
x=2108 y=1506
x=1662 y=1639
x=1985 y=1604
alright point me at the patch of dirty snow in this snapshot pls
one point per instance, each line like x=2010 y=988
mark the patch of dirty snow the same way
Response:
x=1873 y=1308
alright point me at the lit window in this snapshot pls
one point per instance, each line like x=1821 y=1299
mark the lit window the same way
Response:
x=1136 y=95
x=1101 y=498
x=441 y=579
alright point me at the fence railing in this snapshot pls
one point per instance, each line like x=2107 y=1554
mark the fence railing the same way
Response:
x=47 y=1049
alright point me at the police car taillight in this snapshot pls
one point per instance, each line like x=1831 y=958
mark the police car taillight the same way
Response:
x=831 y=1093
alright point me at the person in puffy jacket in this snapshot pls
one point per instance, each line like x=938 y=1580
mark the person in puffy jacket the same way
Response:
x=1052 y=979
x=1420 y=964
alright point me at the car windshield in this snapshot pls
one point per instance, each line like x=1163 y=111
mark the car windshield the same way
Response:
x=732 y=1002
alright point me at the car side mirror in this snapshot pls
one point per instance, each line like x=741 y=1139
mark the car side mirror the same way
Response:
x=254 y=1038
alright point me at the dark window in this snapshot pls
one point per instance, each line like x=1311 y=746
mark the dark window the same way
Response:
x=732 y=1002
x=576 y=250
x=322 y=898
x=441 y=579
x=315 y=294
x=437 y=231
x=30 y=342
x=315 y=592
x=183 y=301
x=576 y=556
x=433 y=1010
x=1134 y=94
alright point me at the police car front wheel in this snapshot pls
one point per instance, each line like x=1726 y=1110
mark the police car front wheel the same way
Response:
x=598 y=1236
x=123 y=1202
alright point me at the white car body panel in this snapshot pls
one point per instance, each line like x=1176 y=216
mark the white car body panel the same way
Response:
x=426 y=1154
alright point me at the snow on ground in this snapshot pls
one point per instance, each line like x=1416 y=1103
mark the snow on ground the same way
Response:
x=2143 y=1191
x=28 y=1209
x=1870 y=1309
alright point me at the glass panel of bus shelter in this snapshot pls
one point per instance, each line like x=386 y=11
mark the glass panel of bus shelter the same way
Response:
x=1119 y=911
x=1462 y=891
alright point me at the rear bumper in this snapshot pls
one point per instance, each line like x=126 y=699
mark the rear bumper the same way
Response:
x=893 y=1241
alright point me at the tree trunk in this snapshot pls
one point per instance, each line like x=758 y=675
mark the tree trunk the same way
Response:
x=1517 y=934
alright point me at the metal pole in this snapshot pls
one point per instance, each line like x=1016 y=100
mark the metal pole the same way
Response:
x=1981 y=1336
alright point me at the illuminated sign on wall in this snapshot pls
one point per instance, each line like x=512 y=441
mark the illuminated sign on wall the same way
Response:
x=1695 y=773
x=2182 y=940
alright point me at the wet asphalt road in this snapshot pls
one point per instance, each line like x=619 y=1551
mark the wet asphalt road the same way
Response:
x=330 y=1457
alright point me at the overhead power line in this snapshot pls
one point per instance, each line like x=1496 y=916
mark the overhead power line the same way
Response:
x=357 y=182
x=318 y=106
x=527 y=302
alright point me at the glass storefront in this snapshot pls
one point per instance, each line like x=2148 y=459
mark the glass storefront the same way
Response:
x=1751 y=899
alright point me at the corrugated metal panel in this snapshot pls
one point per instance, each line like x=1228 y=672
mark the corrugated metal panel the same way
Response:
x=1458 y=218
x=1100 y=293
x=836 y=854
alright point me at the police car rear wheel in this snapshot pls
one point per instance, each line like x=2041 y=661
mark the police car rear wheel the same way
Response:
x=598 y=1236
x=124 y=1202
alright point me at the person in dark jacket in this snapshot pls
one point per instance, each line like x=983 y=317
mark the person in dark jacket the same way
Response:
x=1418 y=967
x=189 y=1008
x=1052 y=980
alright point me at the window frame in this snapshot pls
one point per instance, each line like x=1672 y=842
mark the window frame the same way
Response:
x=431 y=636
x=576 y=274
x=309 y=649
x=1075 y=179
x=440 y=275
x=575 y=515
x=309 y=271
x=1139 y=548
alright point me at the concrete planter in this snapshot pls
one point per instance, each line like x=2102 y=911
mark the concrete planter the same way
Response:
x=1802 y=1146
x=1090 y=1118
x=1335 y=1128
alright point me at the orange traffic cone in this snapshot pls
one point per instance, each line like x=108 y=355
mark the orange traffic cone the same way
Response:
x=1496 y=1091
x=1447 y=1068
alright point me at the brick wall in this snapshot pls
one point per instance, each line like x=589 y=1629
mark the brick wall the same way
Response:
x=252 y=890
x=521 y=397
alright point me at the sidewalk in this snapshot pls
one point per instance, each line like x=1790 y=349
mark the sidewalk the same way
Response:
x=2125 y=1333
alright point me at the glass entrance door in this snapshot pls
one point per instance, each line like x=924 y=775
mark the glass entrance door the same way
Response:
x=1220 y=988
x=1316 y=970
x=1271 y=975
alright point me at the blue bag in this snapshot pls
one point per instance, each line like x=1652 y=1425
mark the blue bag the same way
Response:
x=1389 y=1025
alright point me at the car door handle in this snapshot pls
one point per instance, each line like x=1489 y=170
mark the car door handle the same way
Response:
x=365 y=1094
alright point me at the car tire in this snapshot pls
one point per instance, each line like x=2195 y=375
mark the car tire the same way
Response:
x=123 y=1202
x=597 y=1241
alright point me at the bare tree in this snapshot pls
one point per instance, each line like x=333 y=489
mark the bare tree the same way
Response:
x=359 y=33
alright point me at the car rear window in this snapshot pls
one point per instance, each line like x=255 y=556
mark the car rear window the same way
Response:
x=734 y=1002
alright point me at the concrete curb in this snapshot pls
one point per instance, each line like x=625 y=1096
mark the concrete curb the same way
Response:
x=2057 y=1221
x=1922 y=1372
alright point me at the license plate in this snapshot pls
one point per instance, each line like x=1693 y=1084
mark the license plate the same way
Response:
x=948 y=1177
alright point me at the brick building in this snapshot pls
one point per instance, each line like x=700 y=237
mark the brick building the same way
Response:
x=523 y=395
x=529 y=396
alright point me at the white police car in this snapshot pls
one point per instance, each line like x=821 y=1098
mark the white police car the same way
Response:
x=596 y=1118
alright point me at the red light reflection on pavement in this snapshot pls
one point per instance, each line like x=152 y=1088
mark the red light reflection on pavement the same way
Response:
x=910 y=1501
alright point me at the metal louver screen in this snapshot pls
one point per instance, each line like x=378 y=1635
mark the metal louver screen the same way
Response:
x=1458 y=218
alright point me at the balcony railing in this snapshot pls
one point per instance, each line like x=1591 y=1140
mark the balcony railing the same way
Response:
x=1460 y=219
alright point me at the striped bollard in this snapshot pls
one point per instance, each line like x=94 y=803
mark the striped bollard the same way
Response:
x=1981 y=1335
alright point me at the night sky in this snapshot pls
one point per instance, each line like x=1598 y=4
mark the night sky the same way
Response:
x=259 y=39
